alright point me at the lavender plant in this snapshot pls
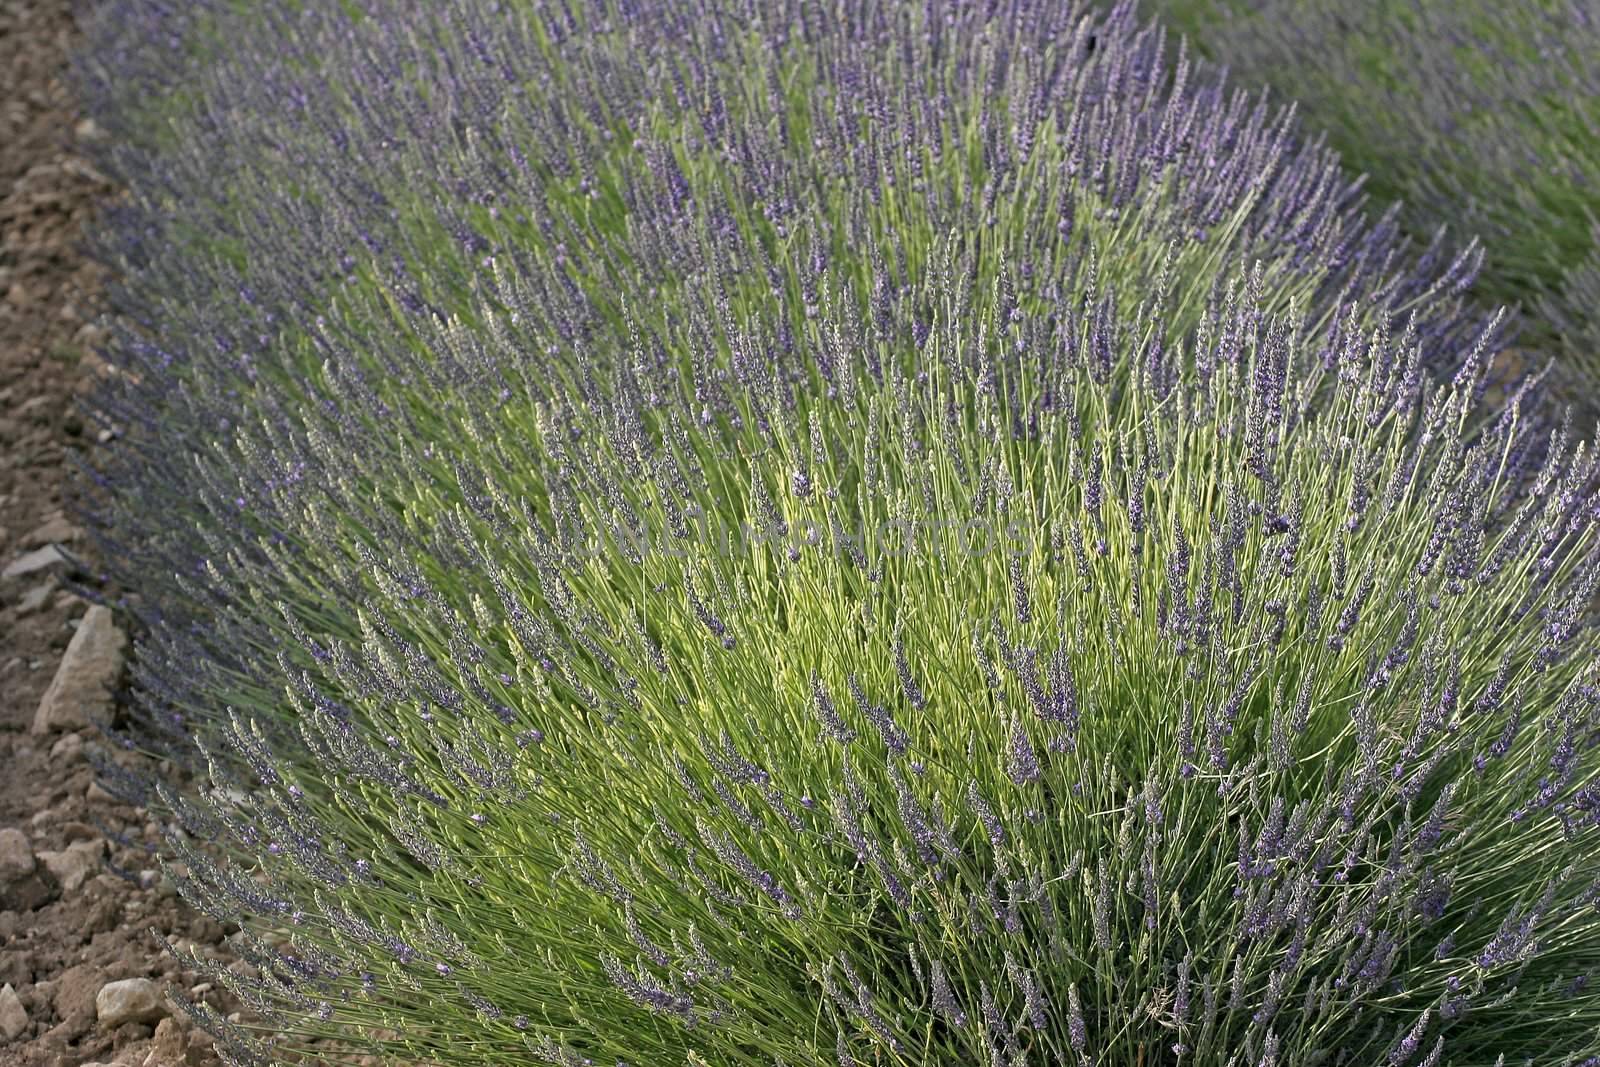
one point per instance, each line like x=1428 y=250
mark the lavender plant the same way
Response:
x=1478 y=114
x=902 y=534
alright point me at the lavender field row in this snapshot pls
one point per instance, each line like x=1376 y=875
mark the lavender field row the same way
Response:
x=448 y=335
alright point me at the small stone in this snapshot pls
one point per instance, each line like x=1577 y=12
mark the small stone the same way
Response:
x=90 y=335
x=13 y=1016
x=67 y=748
x=80 y=693
x=129 y=1000
x=34 y=405
x=24 y=885
x=75 y=992
x=16 y=855
x=37 y=560
x=104 y=913
x=35 y=598
x=167 y=1046
x=55 y=530
x=73 y=865
x=16 y=967
x=69 y=1029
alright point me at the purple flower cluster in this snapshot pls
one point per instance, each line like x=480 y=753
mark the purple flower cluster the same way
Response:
x=1281 y=739
x=1478 y=115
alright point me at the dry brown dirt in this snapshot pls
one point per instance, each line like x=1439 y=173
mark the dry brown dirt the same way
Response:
x=91 y=908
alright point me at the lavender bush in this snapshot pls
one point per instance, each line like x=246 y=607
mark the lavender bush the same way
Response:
x=1478 y=114
x=739 y=533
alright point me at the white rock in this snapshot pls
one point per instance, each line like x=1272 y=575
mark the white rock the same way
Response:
x=80 y=693
x=30 y=562
x=13 y=1016
x=128 y=1000
x=73 y=865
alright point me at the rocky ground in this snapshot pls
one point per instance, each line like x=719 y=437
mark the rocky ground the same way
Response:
x=83 y=977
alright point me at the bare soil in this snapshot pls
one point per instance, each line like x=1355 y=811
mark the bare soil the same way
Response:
x=57 y=954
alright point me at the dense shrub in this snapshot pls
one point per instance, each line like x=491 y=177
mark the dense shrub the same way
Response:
x=1479 y=114
x=745 y=533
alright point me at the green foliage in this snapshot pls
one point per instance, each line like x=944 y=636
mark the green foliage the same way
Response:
x=1479 y=115
x=769 y=535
